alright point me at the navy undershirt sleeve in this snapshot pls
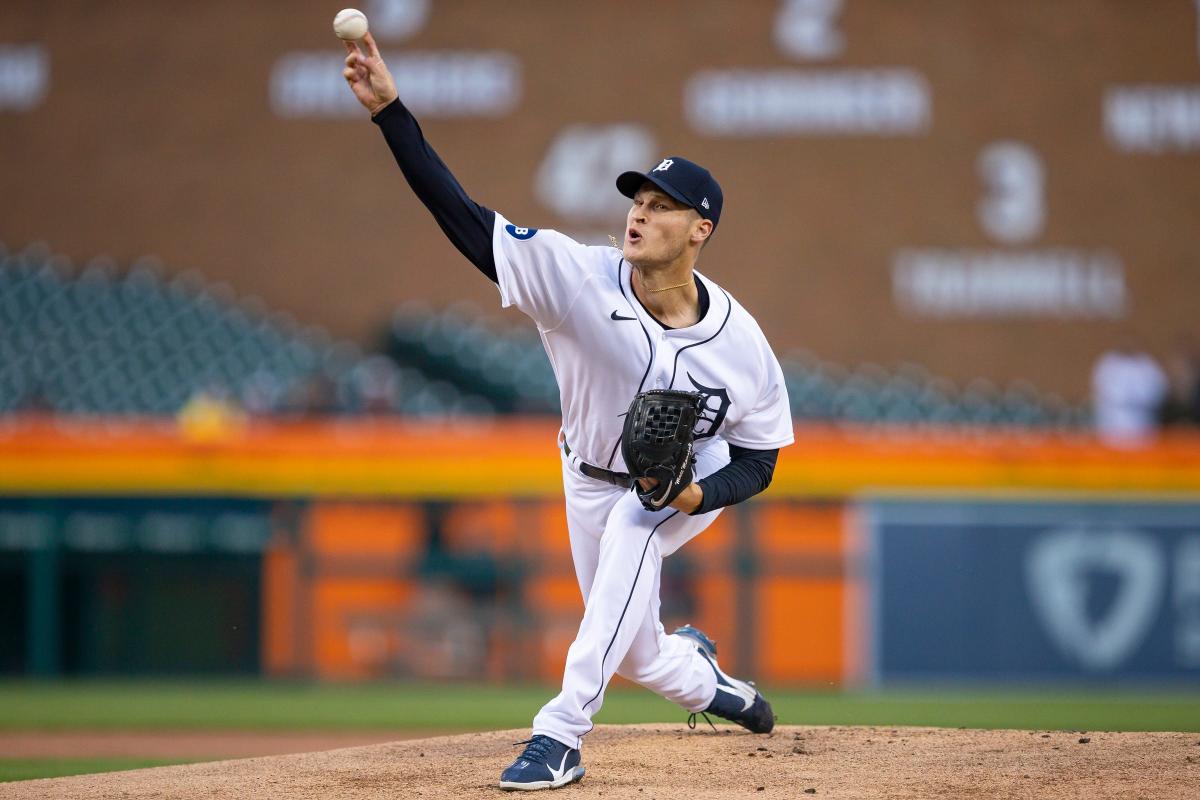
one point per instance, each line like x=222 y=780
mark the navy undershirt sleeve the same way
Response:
x=466 y=224
x=747 y=473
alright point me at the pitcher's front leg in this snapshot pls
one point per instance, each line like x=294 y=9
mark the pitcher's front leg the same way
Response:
x=624 y=586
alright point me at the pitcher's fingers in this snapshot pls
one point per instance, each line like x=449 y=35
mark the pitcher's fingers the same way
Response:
x=372 y=48
x=352 y=59
x=350 y=48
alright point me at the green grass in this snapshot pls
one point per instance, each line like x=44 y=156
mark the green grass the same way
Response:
x=251 y=704
x=26 y=769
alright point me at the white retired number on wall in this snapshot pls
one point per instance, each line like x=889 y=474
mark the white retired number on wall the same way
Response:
x=1012 y=209
x=24 y=76
x=575 y=178
x=397 y=19
x=754 y=101
x=1009 y=281
x=808 y=28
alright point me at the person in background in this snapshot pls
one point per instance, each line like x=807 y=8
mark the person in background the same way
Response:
x=1129 y=388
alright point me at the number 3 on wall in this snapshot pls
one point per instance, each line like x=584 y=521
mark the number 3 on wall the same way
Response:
x=1013 y=209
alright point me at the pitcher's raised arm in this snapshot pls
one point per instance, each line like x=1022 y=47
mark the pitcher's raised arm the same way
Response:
x=467 y=224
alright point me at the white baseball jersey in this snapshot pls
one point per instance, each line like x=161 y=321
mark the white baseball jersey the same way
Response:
x=605 y=347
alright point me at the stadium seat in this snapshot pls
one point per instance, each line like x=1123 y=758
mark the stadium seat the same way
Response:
x=103 y=341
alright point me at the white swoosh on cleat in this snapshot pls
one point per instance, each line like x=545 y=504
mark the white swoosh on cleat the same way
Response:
x=739 y=689
x=556 y=774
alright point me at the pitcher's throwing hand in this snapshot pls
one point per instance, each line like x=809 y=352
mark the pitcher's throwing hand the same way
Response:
x=368 y=76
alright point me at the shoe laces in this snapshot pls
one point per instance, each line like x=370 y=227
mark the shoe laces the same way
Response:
x=537 y=749
x=692 y=720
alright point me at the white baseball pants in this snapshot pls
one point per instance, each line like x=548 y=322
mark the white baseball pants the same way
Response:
x=618 y=548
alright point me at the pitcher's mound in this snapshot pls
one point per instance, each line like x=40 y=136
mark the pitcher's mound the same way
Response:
x=667 y=761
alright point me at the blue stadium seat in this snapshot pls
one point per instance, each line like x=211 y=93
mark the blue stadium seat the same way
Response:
x=106 y=342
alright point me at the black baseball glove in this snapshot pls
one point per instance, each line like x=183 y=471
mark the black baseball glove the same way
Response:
x=657 y=443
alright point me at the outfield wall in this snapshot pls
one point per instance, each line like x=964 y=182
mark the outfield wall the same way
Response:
x=355 y=550
x=1033 y=589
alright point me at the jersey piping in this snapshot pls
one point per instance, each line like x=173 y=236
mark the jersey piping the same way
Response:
x=679 y=352
x=628 y=599
x=649 y=343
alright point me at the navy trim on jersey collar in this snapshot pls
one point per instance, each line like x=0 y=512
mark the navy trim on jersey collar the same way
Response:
x=649 y=343
x=679 y=352
x=705 y=328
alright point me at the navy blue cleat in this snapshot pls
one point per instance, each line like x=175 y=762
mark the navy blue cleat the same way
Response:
x=545 y=764
x=736 y=701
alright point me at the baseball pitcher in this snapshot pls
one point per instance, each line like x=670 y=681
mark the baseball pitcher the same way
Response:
x=673 y=407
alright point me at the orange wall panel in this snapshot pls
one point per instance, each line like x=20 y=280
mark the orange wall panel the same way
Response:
x=354 y=622
x=786 y=529
x=383 y=530
x=715 y=543
x=552 y=537
x=801 y=631
x=716 y=612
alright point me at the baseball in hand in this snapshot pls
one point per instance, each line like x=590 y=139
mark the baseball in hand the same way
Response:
x=350 y=24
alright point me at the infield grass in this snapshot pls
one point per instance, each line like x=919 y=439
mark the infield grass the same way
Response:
x=27 y=769
x=266 y=705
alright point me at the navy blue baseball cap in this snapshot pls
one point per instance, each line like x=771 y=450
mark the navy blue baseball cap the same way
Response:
x=686 y=181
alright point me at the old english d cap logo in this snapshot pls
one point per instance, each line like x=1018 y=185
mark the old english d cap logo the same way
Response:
x=1057 y=569
x=686 y=181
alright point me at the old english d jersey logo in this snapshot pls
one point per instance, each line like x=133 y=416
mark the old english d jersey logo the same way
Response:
x=714 y=406
x=520 y=233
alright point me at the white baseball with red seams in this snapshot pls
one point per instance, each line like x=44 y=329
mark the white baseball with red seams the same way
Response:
x=604 y=348
x=350 y=24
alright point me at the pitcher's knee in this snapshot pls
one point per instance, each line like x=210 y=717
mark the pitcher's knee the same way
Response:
x=637 y=672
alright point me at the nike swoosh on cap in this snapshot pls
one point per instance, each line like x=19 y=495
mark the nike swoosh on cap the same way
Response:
x=615 y=316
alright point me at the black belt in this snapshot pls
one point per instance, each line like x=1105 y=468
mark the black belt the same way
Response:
x=621 y=479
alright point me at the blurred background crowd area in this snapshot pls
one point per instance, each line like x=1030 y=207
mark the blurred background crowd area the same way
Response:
x=939 y=215
x=257 y=416
x=102 y=340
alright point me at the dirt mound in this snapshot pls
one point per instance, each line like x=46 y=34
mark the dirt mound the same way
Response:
x=665 y=761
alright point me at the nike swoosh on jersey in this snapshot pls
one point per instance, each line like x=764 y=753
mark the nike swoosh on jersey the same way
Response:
x=556 y=774
x=615 y=316
x=740 y=690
